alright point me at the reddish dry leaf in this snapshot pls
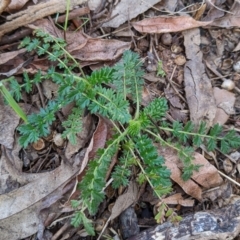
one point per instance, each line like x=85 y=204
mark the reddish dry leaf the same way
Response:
x=208 y=175
x=190 y=187
x=167 y=24
x=98 y=141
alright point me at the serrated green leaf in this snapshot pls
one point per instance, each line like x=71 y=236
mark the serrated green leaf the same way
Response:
x=77 y=219
x=215 y=130
x=197 y=140
x=211 y=144
x=87 y=223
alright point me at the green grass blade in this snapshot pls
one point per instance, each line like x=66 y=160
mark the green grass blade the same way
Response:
x=18 y=110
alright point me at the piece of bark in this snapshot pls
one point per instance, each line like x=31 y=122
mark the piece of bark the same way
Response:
x=36 y=12
x=4 y=4
x=129 y=223
x=218 y=224
x=198 y=89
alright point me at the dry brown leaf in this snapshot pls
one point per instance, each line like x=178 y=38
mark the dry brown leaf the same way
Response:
x=50 y=89
x=173 y=98
x=98 y=141
x=125 y=200
x=173 y=163
x=237 y=48
x=101 y=50
x=190 y=187
x=225 y=102
x=8 y=122
x=30 y=193
x=16 y=5
x=83 y=47
x=224 y=191
x=75 y=40
x=4 y=4
x=35 y=12
x=198 y=87
x=5 y=57
x=167 y=24
x=230 y=19
x=208 y=175
x=126 y=10
x=178 y=199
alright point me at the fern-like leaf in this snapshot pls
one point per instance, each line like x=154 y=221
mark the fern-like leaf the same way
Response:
x=103 y=75
x=73 y=125
x=128 y=76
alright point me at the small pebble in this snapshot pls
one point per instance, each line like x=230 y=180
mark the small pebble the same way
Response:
x=236 y=66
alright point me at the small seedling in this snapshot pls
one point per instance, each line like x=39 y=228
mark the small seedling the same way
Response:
x=160 y=71
x=134 y=134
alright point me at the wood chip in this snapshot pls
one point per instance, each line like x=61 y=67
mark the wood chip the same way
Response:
x=36 y=12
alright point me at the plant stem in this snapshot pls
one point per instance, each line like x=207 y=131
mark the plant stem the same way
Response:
x=190 y=133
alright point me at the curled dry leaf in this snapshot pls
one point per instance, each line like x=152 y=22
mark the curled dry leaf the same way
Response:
x=167 y=24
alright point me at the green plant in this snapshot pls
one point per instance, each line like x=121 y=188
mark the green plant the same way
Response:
x=134 y=134
x=160 y=71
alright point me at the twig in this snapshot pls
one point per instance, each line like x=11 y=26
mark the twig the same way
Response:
x=230 y=179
